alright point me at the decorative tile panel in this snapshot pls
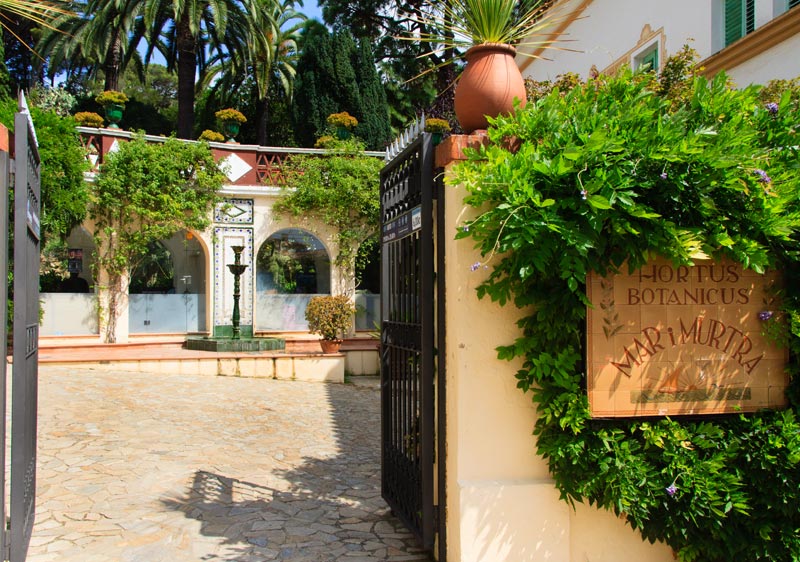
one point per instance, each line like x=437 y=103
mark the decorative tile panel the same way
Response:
x=234 y=167
x=234 y=211
x=224 y=240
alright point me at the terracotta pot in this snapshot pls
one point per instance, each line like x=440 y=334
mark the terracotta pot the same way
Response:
x=488 y=86
x=330 y=346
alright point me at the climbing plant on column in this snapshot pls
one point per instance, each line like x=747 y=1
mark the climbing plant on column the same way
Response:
x=146 y=192
x=616 y=171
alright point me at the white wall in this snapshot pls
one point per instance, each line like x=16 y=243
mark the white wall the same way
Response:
x=608 y=29
x=502 y=504
x=781 y=61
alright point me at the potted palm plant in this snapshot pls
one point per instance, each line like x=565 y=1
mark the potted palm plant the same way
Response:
x=331 y=317
x=490 y=31
x=114 y=104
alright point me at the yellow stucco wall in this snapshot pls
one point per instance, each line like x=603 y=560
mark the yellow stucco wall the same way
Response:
x=502 y=504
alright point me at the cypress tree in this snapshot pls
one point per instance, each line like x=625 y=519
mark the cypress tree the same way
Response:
x=335 y=74
x=313 y=85
x=373 y=125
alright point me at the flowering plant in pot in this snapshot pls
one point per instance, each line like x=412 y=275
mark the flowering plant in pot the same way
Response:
x=437 y=127
x=231 y=120
x=331 y=317
x=490 y=31
x=343 y=123
x=88 y=119
x=114 y=104
x=211 y=136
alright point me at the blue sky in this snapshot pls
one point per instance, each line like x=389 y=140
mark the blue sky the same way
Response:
x=311 y=9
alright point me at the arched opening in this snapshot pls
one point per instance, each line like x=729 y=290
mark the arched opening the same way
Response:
x=154 y=273
x=167 y=290
x=67 y=291
x=368 y=286
x=292 y=266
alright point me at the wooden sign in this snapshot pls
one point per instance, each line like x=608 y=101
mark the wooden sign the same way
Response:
x=669 y=340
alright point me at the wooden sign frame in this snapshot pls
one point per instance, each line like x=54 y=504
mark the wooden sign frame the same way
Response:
x=668 y=340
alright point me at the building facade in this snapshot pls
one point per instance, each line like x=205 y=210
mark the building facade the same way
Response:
x=754 y=41
x=184 y=286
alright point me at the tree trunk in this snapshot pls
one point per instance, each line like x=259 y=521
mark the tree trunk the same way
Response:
x=187 y=66
x=113 y=64
x=262 y=121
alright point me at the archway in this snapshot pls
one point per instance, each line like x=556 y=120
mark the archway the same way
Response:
x=67 y=288
x=292 y=266
x=368 y=286
x=167 y=291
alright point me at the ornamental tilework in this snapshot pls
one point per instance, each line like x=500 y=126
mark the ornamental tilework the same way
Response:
x=234 y=167
x=234 y=211
x=225 y=238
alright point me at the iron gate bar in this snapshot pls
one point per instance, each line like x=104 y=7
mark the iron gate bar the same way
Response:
x=407 y=338
x=24 y=384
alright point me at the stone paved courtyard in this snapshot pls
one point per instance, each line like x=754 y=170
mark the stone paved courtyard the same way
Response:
x=146 y=468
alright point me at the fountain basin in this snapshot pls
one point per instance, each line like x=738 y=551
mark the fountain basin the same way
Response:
x=222 y=344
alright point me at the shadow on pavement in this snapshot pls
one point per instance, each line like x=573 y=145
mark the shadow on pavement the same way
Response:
x=325 y=506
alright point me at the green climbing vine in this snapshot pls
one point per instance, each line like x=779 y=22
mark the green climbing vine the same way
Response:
x=340 y=190
x=618 y=170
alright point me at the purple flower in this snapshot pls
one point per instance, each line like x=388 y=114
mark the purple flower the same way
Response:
x=583 y=194
x=672 y=489
x=466 y=229
x=762 y=176
x=663 y=175
x=765 y=315
x=772 y=107
x=475 y=266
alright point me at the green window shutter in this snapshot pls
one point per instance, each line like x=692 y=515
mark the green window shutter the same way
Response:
x=739 y=19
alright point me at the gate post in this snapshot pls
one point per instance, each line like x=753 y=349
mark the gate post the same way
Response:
x=4 y=181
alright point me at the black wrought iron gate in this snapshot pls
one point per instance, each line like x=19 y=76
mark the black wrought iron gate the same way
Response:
x=24 y=382
x=411 y=376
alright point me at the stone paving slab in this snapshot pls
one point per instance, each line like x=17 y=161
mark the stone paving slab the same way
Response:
x=137 y=467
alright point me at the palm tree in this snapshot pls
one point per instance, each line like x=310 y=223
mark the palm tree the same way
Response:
x=38 y=11
x=100 y=36
x=181 y=30
x=266 y=51
x=19 y=22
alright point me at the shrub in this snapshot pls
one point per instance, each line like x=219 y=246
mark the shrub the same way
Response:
x=211 y=136
x=229 y=114
x=617 y=170
x=110 y=97
x=330 y=316
x=342 y=119
x=89 y=119
x=325 y=141
x=435 y=125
